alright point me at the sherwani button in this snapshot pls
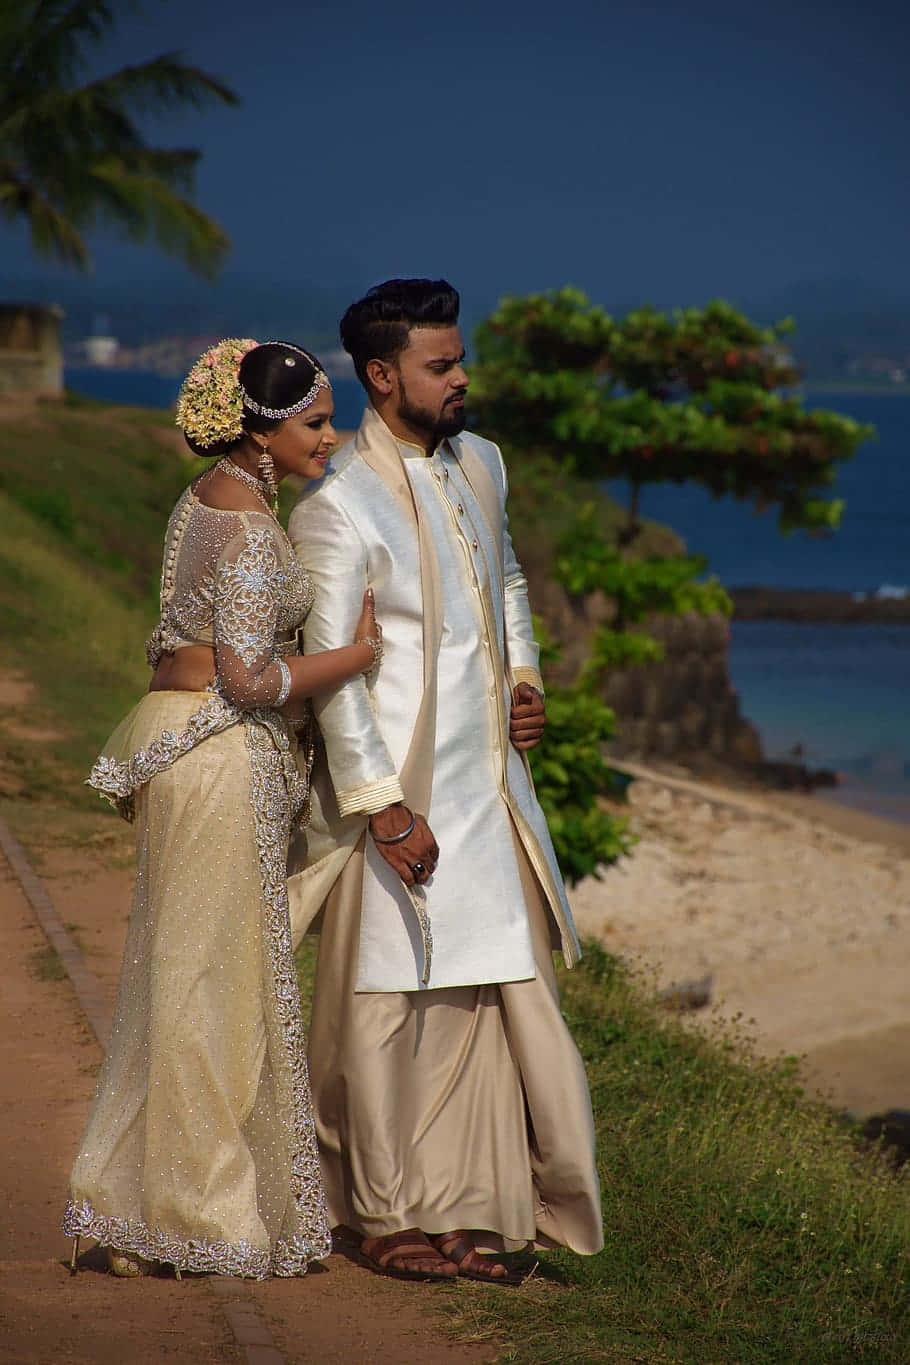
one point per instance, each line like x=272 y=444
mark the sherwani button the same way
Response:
x=460 y=510
x=474 y=544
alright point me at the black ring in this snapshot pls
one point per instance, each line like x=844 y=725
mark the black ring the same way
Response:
x=418 y=869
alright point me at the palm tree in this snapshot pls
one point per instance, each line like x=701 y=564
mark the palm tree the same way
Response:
x=72 y=157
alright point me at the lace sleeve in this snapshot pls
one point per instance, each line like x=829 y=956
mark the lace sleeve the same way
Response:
x=249 y=580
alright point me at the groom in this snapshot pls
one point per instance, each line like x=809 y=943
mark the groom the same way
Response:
x=451 y=1103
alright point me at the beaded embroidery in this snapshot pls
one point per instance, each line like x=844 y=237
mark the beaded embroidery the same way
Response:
x=119 y=781
x=201 y=565
x=279 y=796
x=256 y=590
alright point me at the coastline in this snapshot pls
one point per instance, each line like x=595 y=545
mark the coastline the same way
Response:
x=791 y=912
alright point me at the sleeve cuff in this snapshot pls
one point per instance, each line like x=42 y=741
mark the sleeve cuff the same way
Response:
x=367 y=800
x=530 y=676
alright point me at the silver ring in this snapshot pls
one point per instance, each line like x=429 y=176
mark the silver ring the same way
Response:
x=418 y=869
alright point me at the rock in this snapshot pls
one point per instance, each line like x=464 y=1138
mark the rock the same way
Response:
x=892 y=1129
x=687 y=995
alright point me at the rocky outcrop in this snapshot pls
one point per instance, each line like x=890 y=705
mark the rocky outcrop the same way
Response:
x=890 y=605
x=683 y=706
x=686 y=704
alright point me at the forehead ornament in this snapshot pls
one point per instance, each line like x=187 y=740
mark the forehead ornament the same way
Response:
x=320 y=381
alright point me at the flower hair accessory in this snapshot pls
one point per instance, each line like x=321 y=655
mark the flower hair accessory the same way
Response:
x=210 y=405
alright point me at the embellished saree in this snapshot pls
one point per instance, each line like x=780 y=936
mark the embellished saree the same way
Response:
x=200 y=1149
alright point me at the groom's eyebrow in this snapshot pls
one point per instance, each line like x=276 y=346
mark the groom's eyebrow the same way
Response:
x=448 y=360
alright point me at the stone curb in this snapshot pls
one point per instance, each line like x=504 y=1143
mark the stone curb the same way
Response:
x=249 y=1331
x=82 y=979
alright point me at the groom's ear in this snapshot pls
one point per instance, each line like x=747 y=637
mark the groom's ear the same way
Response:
x=379 y=373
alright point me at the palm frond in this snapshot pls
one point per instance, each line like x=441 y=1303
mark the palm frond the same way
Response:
x=76 y=156
x=143 y=206
x=41 y=41
x=164 y=80
x=53 y=233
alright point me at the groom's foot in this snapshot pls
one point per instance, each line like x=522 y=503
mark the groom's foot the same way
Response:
x=407 y=1255
x=458 y=1248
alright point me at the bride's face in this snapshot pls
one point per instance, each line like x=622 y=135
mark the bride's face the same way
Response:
x=303 y=444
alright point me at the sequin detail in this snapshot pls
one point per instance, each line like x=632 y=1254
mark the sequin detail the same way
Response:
x=134 y=1238
x=286 y=684
x=279 y=795
x=199 y=541
x=119 y=781
x=247 y=591
x=275 y=807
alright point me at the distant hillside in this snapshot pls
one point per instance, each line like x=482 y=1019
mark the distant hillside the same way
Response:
x=233 y=305
x=845 y=328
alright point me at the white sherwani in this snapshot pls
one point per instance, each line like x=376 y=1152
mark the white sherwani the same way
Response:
x=463 y=1105
x=349 y=533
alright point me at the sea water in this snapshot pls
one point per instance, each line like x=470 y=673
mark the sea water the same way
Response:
x=836 y=696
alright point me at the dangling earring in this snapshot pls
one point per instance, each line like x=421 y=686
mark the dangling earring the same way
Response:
x=267 y=473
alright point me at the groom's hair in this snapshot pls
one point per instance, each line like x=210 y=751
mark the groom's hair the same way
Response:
x=377 y=326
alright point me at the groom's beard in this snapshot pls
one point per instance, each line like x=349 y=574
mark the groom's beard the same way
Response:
x=449 y=421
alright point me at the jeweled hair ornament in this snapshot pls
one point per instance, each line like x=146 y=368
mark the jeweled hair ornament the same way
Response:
x=320 y=381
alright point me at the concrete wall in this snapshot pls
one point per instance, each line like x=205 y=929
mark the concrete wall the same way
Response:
x=31 y=359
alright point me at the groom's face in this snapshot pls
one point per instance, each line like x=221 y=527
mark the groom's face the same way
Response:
x=431 y=382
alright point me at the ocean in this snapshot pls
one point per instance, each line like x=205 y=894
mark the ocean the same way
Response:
x=835 y=696
x=838 y=696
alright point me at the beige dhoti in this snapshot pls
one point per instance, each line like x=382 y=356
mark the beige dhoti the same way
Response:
x=463 y=1107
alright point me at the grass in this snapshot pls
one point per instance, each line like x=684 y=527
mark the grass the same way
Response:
x=85 y=493
x=743 y=1225
x=47 y=965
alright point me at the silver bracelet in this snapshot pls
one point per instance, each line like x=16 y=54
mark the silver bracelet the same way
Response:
x=284 y=690
x=375 y=643
x=397 y=838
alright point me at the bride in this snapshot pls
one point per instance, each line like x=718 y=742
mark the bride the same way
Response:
x=200 y=1150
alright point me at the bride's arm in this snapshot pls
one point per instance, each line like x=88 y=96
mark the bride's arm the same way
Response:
x=248 y=586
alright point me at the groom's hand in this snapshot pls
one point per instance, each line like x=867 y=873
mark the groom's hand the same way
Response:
x=419 y=850
x=528 y=717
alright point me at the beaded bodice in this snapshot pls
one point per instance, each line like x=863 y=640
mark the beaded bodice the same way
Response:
x=230 y=580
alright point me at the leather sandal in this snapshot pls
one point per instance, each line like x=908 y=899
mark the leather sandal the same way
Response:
x=400 y=1246
x=459 y=1249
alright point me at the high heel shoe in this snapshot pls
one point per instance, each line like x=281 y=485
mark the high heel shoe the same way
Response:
x=128 y=1267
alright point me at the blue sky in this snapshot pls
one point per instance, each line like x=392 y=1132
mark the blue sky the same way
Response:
x=654 y=151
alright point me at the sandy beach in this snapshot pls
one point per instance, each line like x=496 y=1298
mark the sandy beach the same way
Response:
x=797 y=909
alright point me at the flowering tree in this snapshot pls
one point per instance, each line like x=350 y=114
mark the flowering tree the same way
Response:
x=692 y=395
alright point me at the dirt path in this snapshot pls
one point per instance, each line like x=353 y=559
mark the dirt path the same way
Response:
x=48 y=1061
